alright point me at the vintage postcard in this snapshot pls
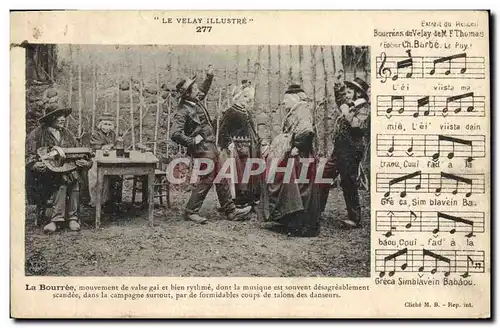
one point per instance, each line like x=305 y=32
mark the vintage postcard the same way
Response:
x=250 y=164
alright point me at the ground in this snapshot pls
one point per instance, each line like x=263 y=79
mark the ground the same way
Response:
x=126 y=245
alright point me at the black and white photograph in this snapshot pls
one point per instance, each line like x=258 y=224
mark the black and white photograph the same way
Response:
x=197 y=160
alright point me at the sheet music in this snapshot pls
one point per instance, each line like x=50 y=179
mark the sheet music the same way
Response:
x=431 y=146
x=431 y=173
x=397 y=103
x=423 y=261
x=393 y=223
x=466 y=104
x=457 y=66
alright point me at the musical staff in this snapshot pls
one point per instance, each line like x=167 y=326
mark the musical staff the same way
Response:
x=431 y=146
x=434 y=183
x=466 y=104
x=390 y=223
x=463 y=262
x=457 y=66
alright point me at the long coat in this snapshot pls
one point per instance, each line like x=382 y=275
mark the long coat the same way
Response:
x=40 y=185
x=347 y=137
x=192 y=119
x=238 y=123
x=295 y=205
x=99 y=139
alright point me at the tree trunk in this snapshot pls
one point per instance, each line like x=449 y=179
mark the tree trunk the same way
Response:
x=326 y=100
x=79 y=97
x=313 y=72
x=269 y=73
x=301 y=59
x=94 y=87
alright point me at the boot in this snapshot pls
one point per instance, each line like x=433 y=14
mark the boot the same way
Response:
x=74 y=225
x=353 y=218
x=196 y=218
x=239 y=214
x=271 y=225
x=49 y=228
x=351 y=223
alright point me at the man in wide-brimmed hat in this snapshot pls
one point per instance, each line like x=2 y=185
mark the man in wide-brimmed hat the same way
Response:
x=193 y=128
x=104 y=137
x=62 y=186
x=353 y=101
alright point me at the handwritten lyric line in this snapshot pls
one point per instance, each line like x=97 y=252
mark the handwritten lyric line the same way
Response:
x=452 y=222
x=432 y=183
x=463 y=262
x=456 y=66
x=466 y=104
x=432 y=146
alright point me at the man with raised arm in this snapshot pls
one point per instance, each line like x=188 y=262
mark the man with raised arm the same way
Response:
x=193 y=129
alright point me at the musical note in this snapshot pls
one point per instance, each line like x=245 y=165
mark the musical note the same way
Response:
x=404 y=178
x=412 y=216
x=435 y=156
x=436 y=258
x=459 y=98
x=391 y=148
x=449 y=59
x=409 y=151
x=391 y=226
x=401 y=109
x=436 y=230
x=471 y=107
x=404 y=64
x=393 y=257
x=466 y=273
x=456 y=219
x=383 y=71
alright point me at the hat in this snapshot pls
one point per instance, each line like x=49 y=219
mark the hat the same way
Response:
x=106 y=117
x=359 y=85
x=294 y=88
x=52 y=114
x=184 y=85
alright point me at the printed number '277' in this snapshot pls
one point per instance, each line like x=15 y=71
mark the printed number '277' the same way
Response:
x=203 y=29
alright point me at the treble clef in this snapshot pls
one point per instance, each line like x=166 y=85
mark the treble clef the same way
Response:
x=384 y=72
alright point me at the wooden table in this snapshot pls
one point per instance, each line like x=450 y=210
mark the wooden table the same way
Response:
x=138 y=164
